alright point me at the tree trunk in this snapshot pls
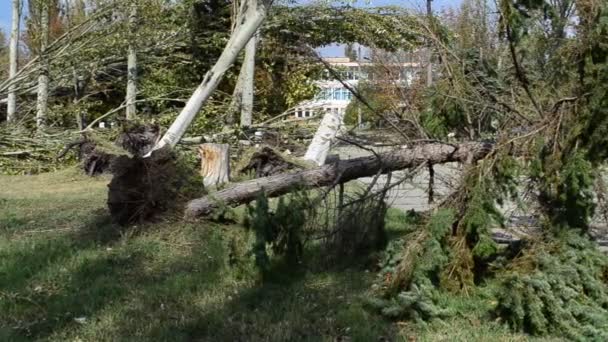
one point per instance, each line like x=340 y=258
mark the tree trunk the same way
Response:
x=248 y=71
x=77 y=95
x=429 y=65
x=215 y=164
x=43 y=78
x=254 y=15
x=337 y=173
x=131 y=110
x=13 y=55
x=236 y=102
x=321 y=142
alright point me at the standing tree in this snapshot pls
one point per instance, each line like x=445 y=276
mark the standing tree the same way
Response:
x=43 y=78
x=248 y=73
x=132 y=65
x=429 y=65
x=13 y=55
x=350 y=52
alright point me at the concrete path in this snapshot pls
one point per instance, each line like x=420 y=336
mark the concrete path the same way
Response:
x=412 y=194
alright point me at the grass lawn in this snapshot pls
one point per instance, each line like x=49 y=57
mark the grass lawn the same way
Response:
x=68 y=274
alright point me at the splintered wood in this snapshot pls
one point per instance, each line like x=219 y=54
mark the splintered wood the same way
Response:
x=215 y=164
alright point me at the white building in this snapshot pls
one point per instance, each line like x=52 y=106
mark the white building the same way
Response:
x=334 y=95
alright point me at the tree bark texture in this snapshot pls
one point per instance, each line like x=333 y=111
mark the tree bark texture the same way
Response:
x=13 y=56
x=337 y=173
x=131 y=110
x=43 y=78
x=215 y=164
x=237 y=100
x=248 y=71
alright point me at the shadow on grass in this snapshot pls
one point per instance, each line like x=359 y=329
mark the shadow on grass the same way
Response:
x=316 y=307
x=99 y=229
x=149 y=287
x=54 y=284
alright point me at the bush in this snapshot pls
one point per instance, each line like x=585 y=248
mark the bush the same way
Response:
x=278 y=231
x=559 y=288
x=411 y=268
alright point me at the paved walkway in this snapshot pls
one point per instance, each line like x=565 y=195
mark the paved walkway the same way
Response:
x=412 y=194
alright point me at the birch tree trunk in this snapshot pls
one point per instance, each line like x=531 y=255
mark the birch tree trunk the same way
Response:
x=43 y=78
x=248 y=72
x=131 y=110
x=237 y=100
x=237 y=93
x=321 y=142
x=252 y=19
x=13 y=55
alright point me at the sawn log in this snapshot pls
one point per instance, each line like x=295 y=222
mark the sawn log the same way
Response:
x=339 y=172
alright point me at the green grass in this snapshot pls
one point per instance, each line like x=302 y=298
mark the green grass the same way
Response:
x=68 y=274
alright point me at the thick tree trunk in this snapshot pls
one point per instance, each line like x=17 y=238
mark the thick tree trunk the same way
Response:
x=255 y=13
x=13 y=54
x=321 y=142
x=43 y=78
x=337 y=173
x=248 y=71
x=131 y=110
x=215 y=164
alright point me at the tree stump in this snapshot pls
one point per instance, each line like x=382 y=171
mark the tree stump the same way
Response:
x=215 y=163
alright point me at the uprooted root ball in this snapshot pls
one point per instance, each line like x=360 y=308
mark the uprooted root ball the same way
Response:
x=142 y=188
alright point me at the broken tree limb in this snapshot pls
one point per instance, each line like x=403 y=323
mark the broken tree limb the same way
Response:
x=321 y=142
x=251 y=16
x=339 y=172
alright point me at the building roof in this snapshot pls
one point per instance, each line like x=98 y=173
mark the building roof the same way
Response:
x=347 y=62
x=336 y=59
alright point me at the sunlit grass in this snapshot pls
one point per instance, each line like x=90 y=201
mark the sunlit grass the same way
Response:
x=67 y=274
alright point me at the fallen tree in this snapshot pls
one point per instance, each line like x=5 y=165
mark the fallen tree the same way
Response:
x=339 y=172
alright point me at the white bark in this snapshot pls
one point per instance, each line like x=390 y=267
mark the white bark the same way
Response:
x=248 y=72
x=13 y=54
x=253 y=18
x=43 y=78
x=321 y=142
x=236 y=101
x=131 y=96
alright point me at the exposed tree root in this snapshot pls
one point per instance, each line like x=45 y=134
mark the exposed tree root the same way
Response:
x=142 y=187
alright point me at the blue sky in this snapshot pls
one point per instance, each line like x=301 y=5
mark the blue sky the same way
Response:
x=5 y=7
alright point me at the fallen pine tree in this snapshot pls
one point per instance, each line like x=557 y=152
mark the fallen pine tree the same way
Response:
x=338 y=172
